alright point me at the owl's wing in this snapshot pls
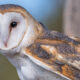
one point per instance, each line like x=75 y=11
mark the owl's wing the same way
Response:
x=57 y=53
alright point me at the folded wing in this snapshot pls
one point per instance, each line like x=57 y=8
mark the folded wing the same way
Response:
x=57 y=53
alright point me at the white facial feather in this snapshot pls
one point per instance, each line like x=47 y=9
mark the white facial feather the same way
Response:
x=16 y=34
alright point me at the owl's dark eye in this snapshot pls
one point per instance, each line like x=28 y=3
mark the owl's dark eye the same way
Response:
x=13 y=24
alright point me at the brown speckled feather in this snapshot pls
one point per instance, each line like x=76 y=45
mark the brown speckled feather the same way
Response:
x=58 y=52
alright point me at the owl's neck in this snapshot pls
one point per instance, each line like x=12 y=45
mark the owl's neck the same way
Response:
x=26 y=69
x=17 y=60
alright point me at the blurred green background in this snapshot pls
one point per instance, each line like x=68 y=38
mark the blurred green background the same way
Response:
x=53 y=20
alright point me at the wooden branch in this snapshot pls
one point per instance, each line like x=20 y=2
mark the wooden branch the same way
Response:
x=72 y=18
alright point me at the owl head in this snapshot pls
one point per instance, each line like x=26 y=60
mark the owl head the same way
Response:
x=17 y=27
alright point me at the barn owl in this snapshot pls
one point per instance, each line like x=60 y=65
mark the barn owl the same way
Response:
x=36 y=52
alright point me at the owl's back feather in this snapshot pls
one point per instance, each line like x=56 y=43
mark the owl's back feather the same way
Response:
x=58 y=52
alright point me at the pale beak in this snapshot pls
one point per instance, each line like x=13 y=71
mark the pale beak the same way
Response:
x=4 y=32
x=5 y=38
x=5 y=42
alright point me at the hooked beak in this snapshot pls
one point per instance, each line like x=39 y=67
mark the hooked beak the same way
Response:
x=5 y=38
x=5 y=42
x=4 y=32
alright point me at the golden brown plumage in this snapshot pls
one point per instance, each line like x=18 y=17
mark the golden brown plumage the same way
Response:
x=58 y=52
